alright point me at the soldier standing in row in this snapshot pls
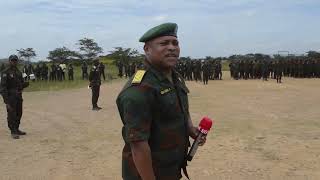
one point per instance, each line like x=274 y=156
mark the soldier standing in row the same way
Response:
x=53 y=73
x=95 y=82
x=102 y=68
x=205 y=73
x=278 y=71
x=84 y=69
x=11 y=87
x=2 y=67
x=70 y=72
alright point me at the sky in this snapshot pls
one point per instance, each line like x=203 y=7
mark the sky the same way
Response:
x=205 y=27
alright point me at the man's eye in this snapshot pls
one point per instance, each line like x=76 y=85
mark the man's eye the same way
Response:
x=163 y=43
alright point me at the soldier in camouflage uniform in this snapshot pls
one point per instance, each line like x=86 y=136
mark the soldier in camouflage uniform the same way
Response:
x=154 y=110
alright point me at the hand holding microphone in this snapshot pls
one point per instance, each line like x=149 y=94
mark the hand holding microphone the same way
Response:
x=204 y=127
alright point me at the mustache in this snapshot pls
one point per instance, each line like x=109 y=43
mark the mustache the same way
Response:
x=171 y=55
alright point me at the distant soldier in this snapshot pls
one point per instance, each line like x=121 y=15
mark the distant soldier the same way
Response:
x=11 y=87
x=318 y=68
x=70 y=72
x=59 y=73
x=127 y=70
x=64 y=69
x=102 y=68
x=218 y=70
x=205 y=72
x=132 y=69
x=84 y=69
x=53 y=73
x=30 y=69
x=246 y=68
x=120 y=69
x=278 y=67
x=264 y=70
x=241 y=69
x=2 y=67
x=44 y=71
x=25 y=72
x=231 y=66
x=37 y=72
x=95 y=82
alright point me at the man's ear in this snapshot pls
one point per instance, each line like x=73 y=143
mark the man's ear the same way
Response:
x=146 y=48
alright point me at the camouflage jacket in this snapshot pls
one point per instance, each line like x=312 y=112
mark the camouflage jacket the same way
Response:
x=155 y=110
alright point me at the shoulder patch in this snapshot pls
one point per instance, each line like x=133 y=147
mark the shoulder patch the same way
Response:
x=138 y=77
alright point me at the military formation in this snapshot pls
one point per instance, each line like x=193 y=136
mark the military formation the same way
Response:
x=200 y=70
x=275 y=68
x=55 y=71
x=128 y=69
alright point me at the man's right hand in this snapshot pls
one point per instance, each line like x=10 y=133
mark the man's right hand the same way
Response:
x=9 y=107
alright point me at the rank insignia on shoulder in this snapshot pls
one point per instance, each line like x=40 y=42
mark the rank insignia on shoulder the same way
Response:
x=138 y=77
x=165 y=91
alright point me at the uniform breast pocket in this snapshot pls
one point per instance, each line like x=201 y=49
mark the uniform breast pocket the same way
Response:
x=168 y=102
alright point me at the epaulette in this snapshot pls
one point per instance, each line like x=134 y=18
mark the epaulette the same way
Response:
x=138 y=77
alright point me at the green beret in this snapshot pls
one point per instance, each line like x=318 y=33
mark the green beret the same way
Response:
x=166 y=29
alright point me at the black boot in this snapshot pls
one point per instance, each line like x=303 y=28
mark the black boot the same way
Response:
x=14 y=135
x=21 y=133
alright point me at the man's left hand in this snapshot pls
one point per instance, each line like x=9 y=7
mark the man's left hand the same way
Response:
x=194 y=132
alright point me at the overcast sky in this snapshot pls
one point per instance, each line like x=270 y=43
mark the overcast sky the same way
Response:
x=206 y=27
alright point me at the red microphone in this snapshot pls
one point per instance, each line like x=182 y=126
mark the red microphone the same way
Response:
x=204 y=127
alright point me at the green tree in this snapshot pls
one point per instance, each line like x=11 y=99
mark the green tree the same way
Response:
x=126 y=55
x=313 y=54
x=63 y=54
x=89 y=48
x=26 y=54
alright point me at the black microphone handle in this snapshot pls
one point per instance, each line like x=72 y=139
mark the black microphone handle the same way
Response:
x=194 y=147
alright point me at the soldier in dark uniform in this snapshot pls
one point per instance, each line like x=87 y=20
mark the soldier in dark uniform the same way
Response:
x=219 y=69
x=120 y=69
x=37 y=71
x=44 y=71
x=70 y=72
x=102 y=68
x=95 y=82
x=11 y=87
x=154 y=110
x=205 y=72
x=53 y=73
x=59 y=73
x=2 y=67
x=264 y=70
x=278 y=71
x=84 y=69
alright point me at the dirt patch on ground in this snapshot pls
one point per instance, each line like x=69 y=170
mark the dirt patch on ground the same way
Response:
x=263 y=130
